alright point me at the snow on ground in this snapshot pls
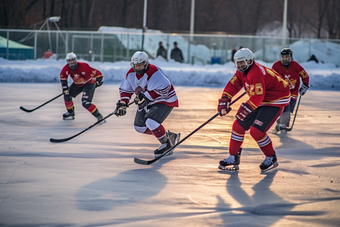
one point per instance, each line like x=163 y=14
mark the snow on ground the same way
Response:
x=322 y=76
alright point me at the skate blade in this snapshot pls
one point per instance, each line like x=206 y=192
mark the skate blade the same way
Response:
x=229 y=168
x=168 y=154
x=275 y=164
x=102 y=122
x=68 y=118
x=275 y=132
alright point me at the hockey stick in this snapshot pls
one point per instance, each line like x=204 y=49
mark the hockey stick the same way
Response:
x=297 y=107
x=69 y=138
x=26 y=110
x=145 y=162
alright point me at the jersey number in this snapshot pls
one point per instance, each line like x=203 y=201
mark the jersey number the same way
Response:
x=255 y=89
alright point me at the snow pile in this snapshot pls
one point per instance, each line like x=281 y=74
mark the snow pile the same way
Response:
x=323 y=76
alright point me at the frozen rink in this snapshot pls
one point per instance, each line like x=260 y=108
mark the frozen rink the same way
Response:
x=92 y=179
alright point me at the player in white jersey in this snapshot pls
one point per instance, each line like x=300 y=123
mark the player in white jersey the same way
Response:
x=155 y=97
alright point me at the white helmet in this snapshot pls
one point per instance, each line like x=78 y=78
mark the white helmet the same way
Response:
x=137 y=58
x=69 y=57
x=245 y=55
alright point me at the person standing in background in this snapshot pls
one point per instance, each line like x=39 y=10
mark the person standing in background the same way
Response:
x=233 y=51
x=161 y=51
x=176 y=54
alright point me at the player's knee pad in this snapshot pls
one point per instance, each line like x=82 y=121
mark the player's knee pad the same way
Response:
x=285 y=118
x=256 y=133
x=140 y=129
x=67 y=98
x=152 y=124
x=86 y=104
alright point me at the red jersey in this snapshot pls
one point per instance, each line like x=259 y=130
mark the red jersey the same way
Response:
x=83 y=74
x=264 y=86
x=292 y=73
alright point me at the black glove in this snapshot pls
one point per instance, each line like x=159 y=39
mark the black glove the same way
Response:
x=121 y=108
x=65 y=90
x=303 y=89
x=141 y=100
x=98 y=83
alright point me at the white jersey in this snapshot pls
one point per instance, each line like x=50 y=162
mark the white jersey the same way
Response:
x=155 y=85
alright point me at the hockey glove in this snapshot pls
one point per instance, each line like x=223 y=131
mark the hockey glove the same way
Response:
x=223 y=105
x=98 y=83
x=65 y=90
x=303 y=89
x=243 y=111
x=120 y=108
x=141 y=100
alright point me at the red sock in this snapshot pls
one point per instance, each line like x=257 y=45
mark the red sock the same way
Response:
x=263 y=141
x=159 y=132
x=148 y=131
x=237 y=137
x=69 y=105
x=92 y=108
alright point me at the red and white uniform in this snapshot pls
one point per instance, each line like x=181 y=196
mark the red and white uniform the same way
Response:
x=84 y=74
x=154 y=83
x=292 y=74
x=264 y=87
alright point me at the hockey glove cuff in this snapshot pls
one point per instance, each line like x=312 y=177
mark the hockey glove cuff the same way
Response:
x=98 y=83
x=141 y=100
x=243 y=111
x=223 y=105
x=303 y=89
x=121 y=108
x=65 y=90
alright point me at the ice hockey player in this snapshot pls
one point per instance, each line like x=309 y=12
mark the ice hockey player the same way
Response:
x=155 y=97
x=291 y=71
x=268 y=95
x=86 y=80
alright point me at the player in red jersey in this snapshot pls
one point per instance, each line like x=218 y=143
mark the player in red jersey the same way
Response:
x=85 y=79
x=291 y=71
x=268 y=95
x=155 y=96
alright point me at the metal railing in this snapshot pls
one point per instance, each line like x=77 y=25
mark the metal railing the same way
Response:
x=111 y=46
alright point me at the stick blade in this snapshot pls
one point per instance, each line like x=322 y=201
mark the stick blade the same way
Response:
x=26 y=110
x=58 y=140
x=142 y=162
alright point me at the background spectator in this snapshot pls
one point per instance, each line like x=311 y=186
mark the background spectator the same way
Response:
x=161 y=51
x=176 y=54
x=48 y=54
x=233 y=51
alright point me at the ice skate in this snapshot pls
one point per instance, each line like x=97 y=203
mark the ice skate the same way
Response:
x=99 y=118
x=269 y=163
x=282 y=127
x=277 y=129
x=173 y=139
x=231 y=163
x=68 y=116
x=163 y=148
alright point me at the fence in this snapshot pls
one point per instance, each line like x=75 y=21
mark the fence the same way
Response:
x=108 y=46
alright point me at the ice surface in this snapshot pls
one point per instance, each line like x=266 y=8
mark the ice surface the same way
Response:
x=92 y=180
